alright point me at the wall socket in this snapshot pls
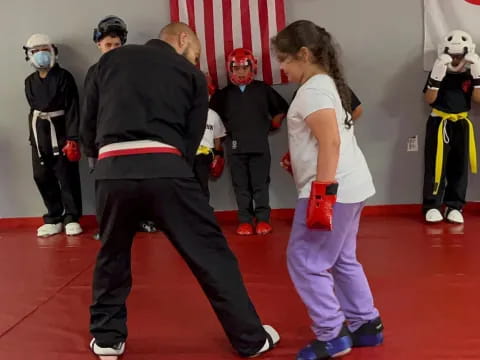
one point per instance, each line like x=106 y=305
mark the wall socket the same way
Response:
x=412 y=144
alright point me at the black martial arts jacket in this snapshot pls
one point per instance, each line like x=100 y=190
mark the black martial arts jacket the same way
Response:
x=144 y=92
x=53 y=101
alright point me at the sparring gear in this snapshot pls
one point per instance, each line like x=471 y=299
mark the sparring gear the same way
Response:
x=217 y=166
x=285 y=162
x=433 y=216
x=263 y=228
x=40 y=59
x=241 y=57
x=72 y=151
x=439 y=71
x=320 y=205
x=456 y=42
x=454 y=216
x=474 y=60
x=245 y=229
x=110 y=25
x=73 y=228
x=322 y=350
x=49 y=230
x=369 y=334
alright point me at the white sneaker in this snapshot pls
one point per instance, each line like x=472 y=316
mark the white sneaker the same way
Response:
x=49 y=230
x=112 y=352
x=454 y=216
x=272 y=339
x=73 y=228
x=433 y=216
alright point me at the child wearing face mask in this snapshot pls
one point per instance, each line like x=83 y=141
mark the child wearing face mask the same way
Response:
x=53 y=121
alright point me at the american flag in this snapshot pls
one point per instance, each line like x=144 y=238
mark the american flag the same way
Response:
x=223 y=25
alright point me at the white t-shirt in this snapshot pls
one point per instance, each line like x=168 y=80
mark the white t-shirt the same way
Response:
x=213 y=130
x=353 y=176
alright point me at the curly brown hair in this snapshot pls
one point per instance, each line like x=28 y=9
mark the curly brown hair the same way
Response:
x=304 y=33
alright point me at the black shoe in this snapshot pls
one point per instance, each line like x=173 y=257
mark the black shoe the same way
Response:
x=322 y=350
x=369 y=334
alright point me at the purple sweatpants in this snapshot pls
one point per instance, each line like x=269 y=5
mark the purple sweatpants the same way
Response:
x=326 y=273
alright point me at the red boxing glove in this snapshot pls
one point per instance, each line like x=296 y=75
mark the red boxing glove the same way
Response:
x=286 y=163
x=275 y=126
x=71 y=151
x=217 y=166
x=320 y=205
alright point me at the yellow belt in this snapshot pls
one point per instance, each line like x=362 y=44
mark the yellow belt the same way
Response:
x=440 y=140
x=204 y=150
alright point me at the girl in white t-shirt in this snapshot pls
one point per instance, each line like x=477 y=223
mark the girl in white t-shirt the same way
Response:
x=333 y=182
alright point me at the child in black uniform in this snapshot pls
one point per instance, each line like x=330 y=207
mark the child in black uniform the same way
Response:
x=449 y=91
x=53 y=98
x=249 y=110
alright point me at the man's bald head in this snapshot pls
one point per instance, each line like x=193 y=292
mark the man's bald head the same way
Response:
x=183 y=39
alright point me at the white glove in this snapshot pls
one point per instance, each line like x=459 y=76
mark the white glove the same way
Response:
x=474 y=61
x=439 y=71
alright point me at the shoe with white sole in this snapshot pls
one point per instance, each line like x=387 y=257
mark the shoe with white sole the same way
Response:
x=433 y=216
x=111 y=353
x=272 y=339
x=49 y=230
x=73 y=228
x=454 y=216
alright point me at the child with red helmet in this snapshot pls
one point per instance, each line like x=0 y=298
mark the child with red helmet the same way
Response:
x=249 y=109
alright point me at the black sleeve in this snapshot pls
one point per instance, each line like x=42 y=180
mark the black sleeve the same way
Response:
x=426 y=83
x=355 y=101
x=216 y=103
x=88 y=116
x=196 y=118
x=276 y=103
x=71 y=108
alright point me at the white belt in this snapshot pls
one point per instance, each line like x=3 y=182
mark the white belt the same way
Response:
x=135 y=147
x=53 y=134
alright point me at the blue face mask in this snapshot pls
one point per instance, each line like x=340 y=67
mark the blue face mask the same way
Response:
x=42 y=59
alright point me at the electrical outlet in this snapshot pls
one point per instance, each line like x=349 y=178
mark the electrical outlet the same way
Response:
x=412 y=144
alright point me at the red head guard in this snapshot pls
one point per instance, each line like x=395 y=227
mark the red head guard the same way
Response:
x=241 y=57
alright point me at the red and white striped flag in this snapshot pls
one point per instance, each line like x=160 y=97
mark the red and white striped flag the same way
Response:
x=223 y=25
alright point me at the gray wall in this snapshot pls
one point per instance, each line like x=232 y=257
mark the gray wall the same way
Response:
x=382 y=52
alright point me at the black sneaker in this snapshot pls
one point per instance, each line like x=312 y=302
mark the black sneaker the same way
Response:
x=321 y=350
x=369 y=334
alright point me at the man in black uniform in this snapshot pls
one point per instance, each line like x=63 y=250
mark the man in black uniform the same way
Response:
x=53 y=121
x=249 y=109
x=454 y=80
x=145 y=128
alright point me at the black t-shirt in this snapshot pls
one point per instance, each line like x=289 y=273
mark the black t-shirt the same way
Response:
x=455 y=93
x=247 y=115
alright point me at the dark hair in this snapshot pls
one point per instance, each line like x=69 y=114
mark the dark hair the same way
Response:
x=304 y=33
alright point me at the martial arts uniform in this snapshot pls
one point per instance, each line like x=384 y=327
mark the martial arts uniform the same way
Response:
x=149 y=106
x=247 y=117
x=446 y=162
x=52 y=121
